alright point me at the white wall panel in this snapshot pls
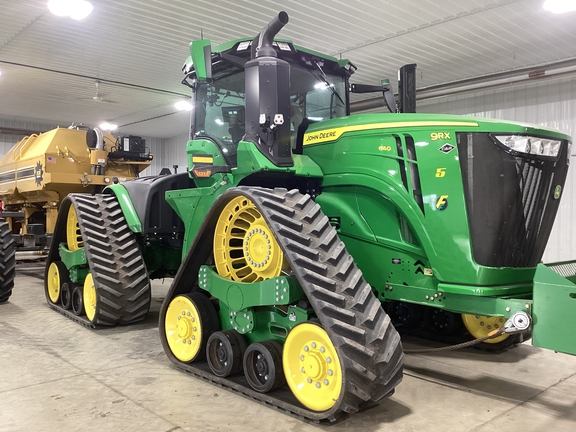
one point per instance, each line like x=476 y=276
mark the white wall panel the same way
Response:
x=549 y=103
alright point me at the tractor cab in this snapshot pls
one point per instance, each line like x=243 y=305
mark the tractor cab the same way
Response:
x=317 y=89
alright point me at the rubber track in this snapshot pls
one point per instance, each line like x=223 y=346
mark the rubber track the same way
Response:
x=367 y=343
x=7 y=262
x=114 y=258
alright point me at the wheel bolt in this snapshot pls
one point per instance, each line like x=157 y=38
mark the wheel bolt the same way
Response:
x=302 y=370
x=301 y=358
x=328 y=360
x=179 y=317
x=326 y=382
x=306 y=348
x=322 y=349
x=330 y=372
x=313 y=344
x=318 y=385
x=193 y=338
x=309 y=380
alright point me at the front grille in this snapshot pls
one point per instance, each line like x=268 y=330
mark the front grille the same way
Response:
x=510 y=201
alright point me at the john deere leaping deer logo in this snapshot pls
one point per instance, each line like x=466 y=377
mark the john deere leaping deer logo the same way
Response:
x=38 y=173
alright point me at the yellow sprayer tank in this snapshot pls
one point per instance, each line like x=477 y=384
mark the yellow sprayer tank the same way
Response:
x=40 y=170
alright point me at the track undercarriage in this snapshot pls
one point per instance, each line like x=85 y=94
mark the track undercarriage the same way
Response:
x=341 y=351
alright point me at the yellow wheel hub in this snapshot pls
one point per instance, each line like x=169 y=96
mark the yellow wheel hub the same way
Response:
x=89 y=297
x=54 y=281
x=73 y=236
x=312 y=367
x=480 y=326
x=183 y=328
x=244 y=247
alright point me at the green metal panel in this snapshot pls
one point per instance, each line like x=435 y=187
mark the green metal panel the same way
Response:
x=72 y=259
x=198 y=55
x=554 y=311
x=127 y=207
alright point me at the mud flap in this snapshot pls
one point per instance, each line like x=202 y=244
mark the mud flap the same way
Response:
x=554 y=311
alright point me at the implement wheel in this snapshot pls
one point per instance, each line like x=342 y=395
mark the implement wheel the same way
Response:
x=479 y=326
x=190 y=320
x=57 y=275
x=245 y=249
x=263 y=366
x=312 y=367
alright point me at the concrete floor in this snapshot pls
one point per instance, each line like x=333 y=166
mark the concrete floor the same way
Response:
x=58 y=376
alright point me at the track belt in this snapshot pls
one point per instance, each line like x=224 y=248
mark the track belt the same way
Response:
x=366 y=341
x=114 y=259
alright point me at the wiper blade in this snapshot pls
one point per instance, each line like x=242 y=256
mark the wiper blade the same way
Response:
x=327 y=83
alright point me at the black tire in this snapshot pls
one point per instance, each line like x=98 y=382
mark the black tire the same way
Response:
x=66 y=295
x=225 y=352
x=263 y=366
x=78 y=301
x=7 y=262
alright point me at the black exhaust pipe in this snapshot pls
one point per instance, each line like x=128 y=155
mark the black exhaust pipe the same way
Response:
x=268 y=96
x=262 y=44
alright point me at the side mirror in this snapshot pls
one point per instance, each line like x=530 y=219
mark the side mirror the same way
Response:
x=407 y=88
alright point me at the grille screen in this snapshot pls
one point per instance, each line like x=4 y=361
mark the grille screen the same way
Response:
x=510 y=201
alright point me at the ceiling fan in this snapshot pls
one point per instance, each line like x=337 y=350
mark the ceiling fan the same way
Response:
x=98 y=97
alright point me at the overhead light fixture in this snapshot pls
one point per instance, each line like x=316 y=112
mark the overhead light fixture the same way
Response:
x=183 y=105
x=75 y=9
x=559 y=6
x=105 y=126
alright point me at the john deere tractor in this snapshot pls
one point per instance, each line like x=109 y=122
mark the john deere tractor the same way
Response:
x=296 y=221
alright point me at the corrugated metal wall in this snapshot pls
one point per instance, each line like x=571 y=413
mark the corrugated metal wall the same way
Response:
x=550 y=103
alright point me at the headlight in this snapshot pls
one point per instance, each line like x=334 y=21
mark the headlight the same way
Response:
x=530 y=144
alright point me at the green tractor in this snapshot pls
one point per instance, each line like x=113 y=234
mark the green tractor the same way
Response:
x=296 y=221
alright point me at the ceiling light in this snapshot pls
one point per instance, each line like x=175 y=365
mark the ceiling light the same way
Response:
x=75 y=9
x=183 y=105
x=560 y=6
x=105 y=126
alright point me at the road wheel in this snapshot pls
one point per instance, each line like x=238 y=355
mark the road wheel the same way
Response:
x=263 y=366
x=89 y=297
x=190 y=320
x=66 y=295
x=78 y=301
x=312 y=367
x=479 y=326
x=225 y=351
x=245 y=249
x=57 y=276
x=73 y=235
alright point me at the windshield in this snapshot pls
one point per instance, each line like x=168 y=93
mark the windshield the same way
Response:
x=219 y=105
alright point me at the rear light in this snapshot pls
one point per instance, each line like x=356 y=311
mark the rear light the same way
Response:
x=532 y=145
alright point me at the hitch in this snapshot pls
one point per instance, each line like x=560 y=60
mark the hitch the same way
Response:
x=518 y=323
